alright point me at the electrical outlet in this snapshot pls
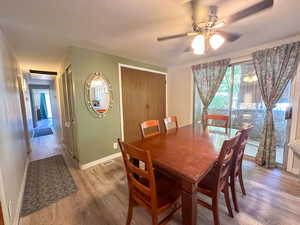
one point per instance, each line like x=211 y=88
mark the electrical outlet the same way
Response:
x=115 y=145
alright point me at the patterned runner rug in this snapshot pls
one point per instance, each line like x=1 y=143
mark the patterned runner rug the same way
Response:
x=42 y=132
x=48 y=180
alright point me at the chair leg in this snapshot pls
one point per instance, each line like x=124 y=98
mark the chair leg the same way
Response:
x=215 y=208
x=233 y=193
x=130 y=211
x=154 y=219
x=242 y=182
x=227 y=199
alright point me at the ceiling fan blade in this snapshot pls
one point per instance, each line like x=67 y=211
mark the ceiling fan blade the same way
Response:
x=176 y=36
x=229 y=36
x=265 y=4
x=172 y=36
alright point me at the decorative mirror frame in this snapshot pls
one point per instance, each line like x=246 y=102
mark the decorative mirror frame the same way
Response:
x=87 y=91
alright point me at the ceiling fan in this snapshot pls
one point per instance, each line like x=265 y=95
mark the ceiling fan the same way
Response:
x=208 y=33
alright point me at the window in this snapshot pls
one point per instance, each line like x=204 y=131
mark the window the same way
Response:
x=239 y=97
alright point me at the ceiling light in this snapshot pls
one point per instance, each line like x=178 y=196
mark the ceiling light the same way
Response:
x=199 y=51
x=198 y=41
x=198 y=44
x=216 y=41
x=250 y=78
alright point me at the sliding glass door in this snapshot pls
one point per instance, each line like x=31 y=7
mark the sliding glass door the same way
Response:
x=239 y=97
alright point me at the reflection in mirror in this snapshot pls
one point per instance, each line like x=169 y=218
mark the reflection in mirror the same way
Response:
x=98 y=94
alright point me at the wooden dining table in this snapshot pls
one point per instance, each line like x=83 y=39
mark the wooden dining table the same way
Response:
x=187 y=154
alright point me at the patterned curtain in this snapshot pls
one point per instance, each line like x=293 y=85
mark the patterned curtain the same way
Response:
x=274 y=68
x=208 y=77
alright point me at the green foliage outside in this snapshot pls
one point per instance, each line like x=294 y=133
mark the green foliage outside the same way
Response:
x=222 y=97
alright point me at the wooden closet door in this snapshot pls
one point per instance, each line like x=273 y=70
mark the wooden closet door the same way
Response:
x=144 y=98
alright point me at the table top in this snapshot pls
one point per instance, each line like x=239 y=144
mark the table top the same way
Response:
x=188 y=153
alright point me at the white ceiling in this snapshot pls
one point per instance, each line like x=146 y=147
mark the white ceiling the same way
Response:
x=41 y=30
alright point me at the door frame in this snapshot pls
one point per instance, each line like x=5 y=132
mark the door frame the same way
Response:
x=3 y=200
x=32 y=102
x=68 y=93
x=295 y=123
x=120 y=65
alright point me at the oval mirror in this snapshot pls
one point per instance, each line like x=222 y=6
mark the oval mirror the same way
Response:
x=98 y=94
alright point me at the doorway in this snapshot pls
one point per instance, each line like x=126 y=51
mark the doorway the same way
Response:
x=41 y=110
x=69 y=117
x=143 y=97
x=39 y=96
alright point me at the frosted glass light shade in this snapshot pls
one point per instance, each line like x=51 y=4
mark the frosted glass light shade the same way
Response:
x=199 y=51
x=198 y=44
x=216 y=41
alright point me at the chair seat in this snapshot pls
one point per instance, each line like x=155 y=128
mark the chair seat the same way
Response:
x=167 y=190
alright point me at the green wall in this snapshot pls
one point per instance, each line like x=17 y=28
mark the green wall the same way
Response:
x=96 y=136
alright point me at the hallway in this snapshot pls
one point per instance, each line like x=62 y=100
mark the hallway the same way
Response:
x=45 y=147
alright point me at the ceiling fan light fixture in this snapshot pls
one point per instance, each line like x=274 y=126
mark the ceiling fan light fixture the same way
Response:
x=219 y=24
x=199 y=51
x=216 y=41
x=198 y=44
x=198 y=41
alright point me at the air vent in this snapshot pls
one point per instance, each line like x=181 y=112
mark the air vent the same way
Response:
x=43 y=72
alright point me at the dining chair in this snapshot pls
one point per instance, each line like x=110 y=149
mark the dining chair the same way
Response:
x=216 y=181
x=171 y=123
x=236 y=170
x=147 y=190
x=150 y=124
x=222 y=118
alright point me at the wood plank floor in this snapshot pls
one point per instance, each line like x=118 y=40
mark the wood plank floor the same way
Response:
x=273 y=198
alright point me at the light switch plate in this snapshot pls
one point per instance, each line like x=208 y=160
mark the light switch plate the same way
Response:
x=115 y=145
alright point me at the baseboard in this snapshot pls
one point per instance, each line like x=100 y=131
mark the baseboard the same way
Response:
x=20 y=199
x=99 y=161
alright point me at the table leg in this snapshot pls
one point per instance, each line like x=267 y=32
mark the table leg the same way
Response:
x=189 y=205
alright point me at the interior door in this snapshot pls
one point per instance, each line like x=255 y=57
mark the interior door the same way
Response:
x=144 y=98
x=69 y=113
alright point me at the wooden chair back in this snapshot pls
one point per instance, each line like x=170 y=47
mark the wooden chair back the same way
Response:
x=223 y=118
x=150 y=124
x=240 y=149
x=141 y=182
x=225 y=161
x=171 y=120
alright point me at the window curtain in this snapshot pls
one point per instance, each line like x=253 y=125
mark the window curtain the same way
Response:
x=208 y=77
x=43 y=106
x=274 y=68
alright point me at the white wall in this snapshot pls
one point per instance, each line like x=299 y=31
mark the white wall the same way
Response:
x=180 y=94
x=13 y=150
